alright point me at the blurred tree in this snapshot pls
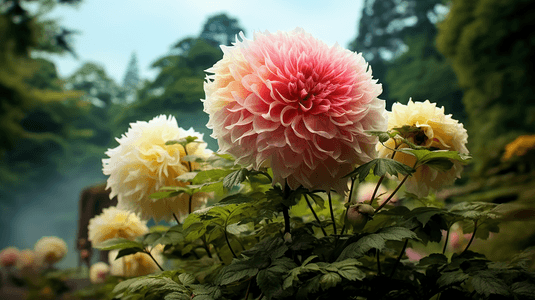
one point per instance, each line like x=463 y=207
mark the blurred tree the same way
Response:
x=131 y=80
x=99 y=89
x=384 y=27
x=420 y=76
x=492 y=44
x=220 y=30
x=22 y=34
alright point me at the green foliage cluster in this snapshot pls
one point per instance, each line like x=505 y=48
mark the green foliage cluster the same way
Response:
x=245 y=245
x=491 y=45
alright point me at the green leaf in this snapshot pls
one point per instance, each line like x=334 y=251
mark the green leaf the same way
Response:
x=211 y=175
x=186 y=177
x=186 y=278
x=424 y=156
x=236 y=271
x=424 y=214
x=440 y=164
x=118 y=243
x=167 y=194
x=380 y=166
x=128 y=251
x=348 y=269
x=452 y=278
x=318 y=200
x=329 y=280
x=486 y=283
x=235 y=178
x=376 y=241
x=192 y=158
x=433 y=259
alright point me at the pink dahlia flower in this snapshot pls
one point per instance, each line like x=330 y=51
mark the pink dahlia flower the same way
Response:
x=290 y=102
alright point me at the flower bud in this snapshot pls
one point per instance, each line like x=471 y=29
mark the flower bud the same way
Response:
x=288 y=238
x=359 y=214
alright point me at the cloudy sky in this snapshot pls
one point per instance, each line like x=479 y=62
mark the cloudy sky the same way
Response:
x=109 y=31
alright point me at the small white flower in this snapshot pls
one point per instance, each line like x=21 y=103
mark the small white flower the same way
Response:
x=50 y=249
x=99 y=272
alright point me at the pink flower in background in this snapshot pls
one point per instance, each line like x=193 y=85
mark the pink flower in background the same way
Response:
x=413 y=255
x=290 y=102
x=365 y=192
x=9 y=256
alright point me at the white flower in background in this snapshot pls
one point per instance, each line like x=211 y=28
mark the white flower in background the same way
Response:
x=115 y=223
x=99 y=272
x=143 y=163
x=50 y=249
x=440 y=132
x=9 y=256
x=365 y=192
x=137 y=264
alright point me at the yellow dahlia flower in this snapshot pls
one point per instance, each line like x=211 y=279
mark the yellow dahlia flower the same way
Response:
x=143 y=163
x=137 y=264
x=50 y=249
x=440 y=132
x=98 y=272
x=115 y=223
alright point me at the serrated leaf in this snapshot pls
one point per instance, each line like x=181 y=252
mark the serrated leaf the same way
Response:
x=235 y=178
x=424 y=214
x=349 y=270
x=236 y=271
x=486 y=283
x=452 y=278
x=380 y=166
x=118 y=243
x=376 y=241
x=168 y=194
x=186 y=278
x=440 y=164
x=210 y=175
x=329 y=280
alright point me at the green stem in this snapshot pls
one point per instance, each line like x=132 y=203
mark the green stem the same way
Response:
x=190 y=202
x=377 y=188
x=315 y=215
x=393 y=193
x=285 y=213
x=228 y=242
x=176 y=219
x=206 y=247
x=348 y=200
x=332 y=212
x=399 y=257
x=472 y=238
x=446 y=240
x=148 y=252
x=248 y=289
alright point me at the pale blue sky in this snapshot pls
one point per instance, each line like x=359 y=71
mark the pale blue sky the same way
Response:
x=110 y=30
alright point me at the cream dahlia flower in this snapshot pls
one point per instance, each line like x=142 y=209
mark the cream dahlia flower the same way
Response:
x=137 y=264
x=9 y=256
x=441 y=132
x=99 y=272
x=115 y=223
x=143 y=163
x=290 y=102
x=50 y=249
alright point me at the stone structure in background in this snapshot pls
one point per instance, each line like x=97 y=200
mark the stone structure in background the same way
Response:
x=93 y=200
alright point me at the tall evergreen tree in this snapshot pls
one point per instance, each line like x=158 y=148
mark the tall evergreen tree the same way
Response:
x=384 y=27
x=131 y=79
